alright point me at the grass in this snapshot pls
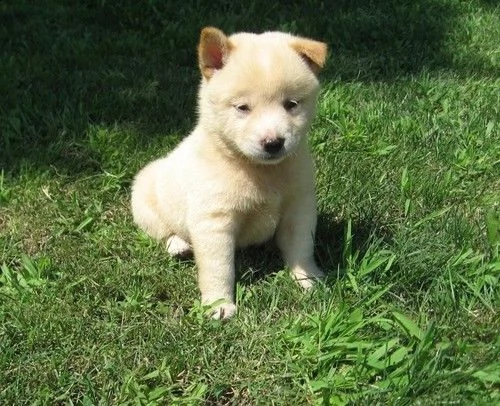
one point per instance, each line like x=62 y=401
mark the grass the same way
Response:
x=407 y=147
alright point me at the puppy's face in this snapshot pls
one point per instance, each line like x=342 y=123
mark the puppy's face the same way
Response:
x=258 y=92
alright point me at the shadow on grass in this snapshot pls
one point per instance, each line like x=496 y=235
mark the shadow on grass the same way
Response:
x=257 y=263
x=67 y=66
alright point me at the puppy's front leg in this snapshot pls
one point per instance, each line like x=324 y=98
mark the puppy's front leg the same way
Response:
x=213 y=243
x=295 y=238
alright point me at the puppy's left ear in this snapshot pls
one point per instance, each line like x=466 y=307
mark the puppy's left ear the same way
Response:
x=213 y=51
x=313 y=52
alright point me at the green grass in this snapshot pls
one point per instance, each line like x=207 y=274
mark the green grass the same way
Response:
x=407 y=145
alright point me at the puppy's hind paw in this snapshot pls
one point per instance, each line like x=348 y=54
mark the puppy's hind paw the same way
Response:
x=177 y=247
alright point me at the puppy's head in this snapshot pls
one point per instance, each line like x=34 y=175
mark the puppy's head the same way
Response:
x=258 y=92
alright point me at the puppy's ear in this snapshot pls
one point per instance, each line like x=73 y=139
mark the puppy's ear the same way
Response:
x=213 y=51
x=313 y=52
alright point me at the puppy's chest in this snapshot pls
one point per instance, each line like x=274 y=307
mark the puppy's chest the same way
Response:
x=257 y=200
x=258 y=220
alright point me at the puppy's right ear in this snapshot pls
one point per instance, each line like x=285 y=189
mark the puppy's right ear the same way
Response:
x=213 y=51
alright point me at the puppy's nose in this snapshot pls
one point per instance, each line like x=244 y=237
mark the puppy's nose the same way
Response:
x=273 y=145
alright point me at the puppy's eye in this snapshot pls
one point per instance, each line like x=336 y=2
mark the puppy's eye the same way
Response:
x=242 y=108
x=289 y=105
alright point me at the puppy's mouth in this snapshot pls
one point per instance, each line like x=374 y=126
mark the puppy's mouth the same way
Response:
x=274 y=157
x=268 y=157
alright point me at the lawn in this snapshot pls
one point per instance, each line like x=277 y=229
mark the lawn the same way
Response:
x=407 y=148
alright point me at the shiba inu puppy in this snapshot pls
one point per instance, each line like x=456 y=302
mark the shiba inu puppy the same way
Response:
x=244 y=175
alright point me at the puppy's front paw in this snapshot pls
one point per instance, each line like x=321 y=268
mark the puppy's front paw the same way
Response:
x=223 y=311
x=306 y=278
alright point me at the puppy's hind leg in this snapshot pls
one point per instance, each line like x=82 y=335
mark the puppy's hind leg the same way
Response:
x=144 y=205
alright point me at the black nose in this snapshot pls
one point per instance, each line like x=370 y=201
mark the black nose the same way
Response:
x=273 y=145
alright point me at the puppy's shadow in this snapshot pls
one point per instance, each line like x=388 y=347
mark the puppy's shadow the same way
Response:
x=333 y=243
x=256 y=263
x=337 y=239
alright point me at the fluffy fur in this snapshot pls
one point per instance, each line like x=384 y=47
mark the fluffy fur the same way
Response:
x=245 y=173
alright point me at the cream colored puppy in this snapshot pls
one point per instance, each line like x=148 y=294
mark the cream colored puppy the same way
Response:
x=245 y=173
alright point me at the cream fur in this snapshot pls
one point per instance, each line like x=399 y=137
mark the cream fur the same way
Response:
x=220 y=189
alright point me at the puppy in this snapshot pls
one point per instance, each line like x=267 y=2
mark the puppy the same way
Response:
x=245 y=173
